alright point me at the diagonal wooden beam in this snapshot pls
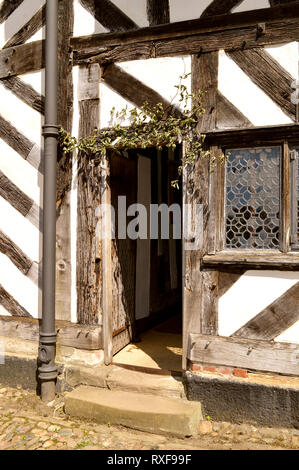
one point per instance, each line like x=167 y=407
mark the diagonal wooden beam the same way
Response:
x=20 y=201
x=7 y=8
x=134 y=90
x=18 y=142
x=228 y=116
x=11 y=305
x=274 y=319
x=29 y=29
x=220 y=7
x=13 y=252
x=26 y=93
x=158 y=12
x=109 y=15
x=268 y=75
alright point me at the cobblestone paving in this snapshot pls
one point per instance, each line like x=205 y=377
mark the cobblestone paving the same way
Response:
x=27 y=424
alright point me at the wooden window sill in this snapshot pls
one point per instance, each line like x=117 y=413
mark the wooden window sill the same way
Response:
x=262 y=259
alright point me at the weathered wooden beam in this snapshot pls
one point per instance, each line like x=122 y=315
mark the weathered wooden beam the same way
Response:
x=265 y=356
x=20 y=201
x=274 y=319
x=11 y=305
x=233 y=32
x=26 y=93
x=89 y=198
x=21 y=59
x=274 y=3
x=126 y=85
x=205 y=73
x=228 y=116
x=268 y=75
x=29 y=29
x=158 y=12
x=18 y=142
x=253 y=136
x=260 y=260
x=109 y=15
x=17 y=256
x=68 y=334
x=220 y=7
x=7 y=8
x=64 y=164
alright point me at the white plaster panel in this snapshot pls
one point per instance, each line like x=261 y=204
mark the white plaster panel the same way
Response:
x=18 y=18
x=20 y=287
x=181 y=10
x=20 y=230
x=251 y=5
x=134 y=9
x=253 y=292
x=161 y=74
x=110 y=99
x=291 y=335
x=84 y=22
x=237 y=87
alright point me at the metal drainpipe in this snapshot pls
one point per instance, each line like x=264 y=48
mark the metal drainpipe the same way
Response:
x=47 y=371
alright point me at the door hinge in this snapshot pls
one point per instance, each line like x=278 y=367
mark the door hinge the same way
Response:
x=293 y=155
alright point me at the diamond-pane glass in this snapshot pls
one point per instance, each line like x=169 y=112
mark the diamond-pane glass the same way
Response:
x=253 y=198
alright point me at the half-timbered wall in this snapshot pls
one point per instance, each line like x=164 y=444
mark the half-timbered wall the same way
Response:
x=245 y=88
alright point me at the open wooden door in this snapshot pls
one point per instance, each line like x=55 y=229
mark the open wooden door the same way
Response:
x=123 y=182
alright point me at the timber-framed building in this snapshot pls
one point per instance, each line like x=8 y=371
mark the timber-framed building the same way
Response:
x=232 y=303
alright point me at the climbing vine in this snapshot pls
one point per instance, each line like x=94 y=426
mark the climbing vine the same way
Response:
x=149 y=126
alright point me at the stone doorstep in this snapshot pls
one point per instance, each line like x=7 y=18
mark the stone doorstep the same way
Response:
x=140 y=411
x=118 y=378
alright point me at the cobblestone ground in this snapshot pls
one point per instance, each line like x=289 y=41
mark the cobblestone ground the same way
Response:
x=27 y=424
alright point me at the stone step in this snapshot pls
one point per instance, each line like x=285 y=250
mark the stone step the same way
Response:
x=148 y=413
x=142 y=382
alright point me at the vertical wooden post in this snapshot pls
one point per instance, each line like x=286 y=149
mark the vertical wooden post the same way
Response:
x=89 y=198
x=200 y=286
x=64 y=164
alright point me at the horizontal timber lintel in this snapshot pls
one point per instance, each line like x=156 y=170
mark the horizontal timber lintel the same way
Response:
x=257 y=355
x=262 y=259
x=68 y=334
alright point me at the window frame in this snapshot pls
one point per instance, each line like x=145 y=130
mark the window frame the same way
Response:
x=283 y=258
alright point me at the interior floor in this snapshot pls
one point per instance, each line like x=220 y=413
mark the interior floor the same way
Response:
x=159 y=349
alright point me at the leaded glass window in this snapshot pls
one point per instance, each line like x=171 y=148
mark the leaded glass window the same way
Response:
x=253 y=198
x=295 y=199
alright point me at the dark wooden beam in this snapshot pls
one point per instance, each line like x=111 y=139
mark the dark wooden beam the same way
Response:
x=126 y=85
x=225 y=32
x=274 y=3
x=7 y=8
x=21 y=59
x=220 y=7
x=268 y=75
x=274 y=319
x=158 y=12
x=26 y=93
x=253 y=136
x=265 y=356
x=109 y=15
x=11 y=305
x=29 y=29
x=261 y=260
x=20 y=201
x=18 y=258
x=68 y=334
